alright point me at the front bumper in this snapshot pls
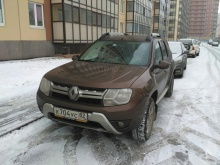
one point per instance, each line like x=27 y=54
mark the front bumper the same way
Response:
x=192 y=53
x=179 y=67
x=103 y=119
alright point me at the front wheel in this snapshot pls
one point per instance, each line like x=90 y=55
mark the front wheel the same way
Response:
x=143 y=131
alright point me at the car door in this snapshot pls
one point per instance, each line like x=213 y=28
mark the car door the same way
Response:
x=184 y=54
x=159 y=74
x=165 y=58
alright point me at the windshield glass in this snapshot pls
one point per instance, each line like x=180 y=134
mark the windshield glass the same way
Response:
x=118 y=52
x=175 y=47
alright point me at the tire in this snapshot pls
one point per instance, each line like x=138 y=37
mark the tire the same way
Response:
x=182 y=73
x=170 y=90
x=194 y=56
x=143 y=131
x=185 y=65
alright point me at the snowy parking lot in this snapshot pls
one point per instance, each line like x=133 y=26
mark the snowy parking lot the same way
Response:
x=186 y=131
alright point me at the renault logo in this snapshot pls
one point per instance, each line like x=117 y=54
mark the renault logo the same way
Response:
x=73 y=93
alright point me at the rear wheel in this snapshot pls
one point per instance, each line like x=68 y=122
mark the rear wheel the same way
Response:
x=143 y=132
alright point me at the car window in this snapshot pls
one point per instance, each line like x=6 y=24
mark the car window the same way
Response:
x=164 y=50
x=158 y=54
x=183 y=48
x=118 y=52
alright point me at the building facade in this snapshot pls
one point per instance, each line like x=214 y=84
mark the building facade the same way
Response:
x=161 y=17
x=178 y=19
x=85 y=21
x=139 y=17
x=218 y=28
x=38 y=28
x=25 y=29
x=203 y=19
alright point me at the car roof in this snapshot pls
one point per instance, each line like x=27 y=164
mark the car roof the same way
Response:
x=127 y=37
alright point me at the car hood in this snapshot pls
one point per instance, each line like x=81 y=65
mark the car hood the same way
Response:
x=97 y=75
x=176 y=55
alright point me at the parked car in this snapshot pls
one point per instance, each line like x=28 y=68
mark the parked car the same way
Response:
x=190 y=44
x=210 y=41
x=215 y=43
x=179 y=54
x=114 y=86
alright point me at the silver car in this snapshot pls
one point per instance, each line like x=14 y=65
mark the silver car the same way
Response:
x=179 y=54
x=192 y=46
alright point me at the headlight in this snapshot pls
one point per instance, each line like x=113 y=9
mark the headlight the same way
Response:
x=45 y=86
x=178 y=60
x=117 y=97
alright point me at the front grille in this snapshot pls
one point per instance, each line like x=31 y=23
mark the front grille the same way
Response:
x=84 y=95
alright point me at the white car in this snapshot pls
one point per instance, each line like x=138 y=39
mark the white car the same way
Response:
x=191 y=45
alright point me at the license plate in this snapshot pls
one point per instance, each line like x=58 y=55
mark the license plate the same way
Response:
x=73 y=115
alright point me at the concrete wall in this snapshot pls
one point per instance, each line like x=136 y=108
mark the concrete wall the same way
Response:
x=15 y=50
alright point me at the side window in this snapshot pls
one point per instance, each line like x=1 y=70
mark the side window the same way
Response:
x=164 y=50
x=158 y=54
x=183 y=48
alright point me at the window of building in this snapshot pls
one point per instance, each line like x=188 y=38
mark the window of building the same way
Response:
x=122 y=6
x=57 y=11
x=36 y=14
x=94 y=16
x=2 y=21
x=89 y=17
x=121 y=27
x=68 y=13
x=82 y=16
x=75 y=14
x=130 y=6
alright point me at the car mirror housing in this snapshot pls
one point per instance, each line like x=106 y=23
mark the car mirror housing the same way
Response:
x=163 y=65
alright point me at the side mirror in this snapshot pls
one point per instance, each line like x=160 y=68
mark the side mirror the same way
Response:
x=75 y=58
x=163 y=65
x=186 y=51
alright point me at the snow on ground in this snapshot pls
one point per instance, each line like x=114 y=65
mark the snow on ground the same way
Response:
x=187 y=129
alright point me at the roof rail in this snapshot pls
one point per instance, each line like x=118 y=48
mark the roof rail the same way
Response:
x=112 y=34
x=155 y=34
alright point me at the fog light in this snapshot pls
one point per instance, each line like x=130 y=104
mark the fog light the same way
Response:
x=121 y=124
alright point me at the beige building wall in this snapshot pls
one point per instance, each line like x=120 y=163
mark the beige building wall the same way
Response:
x=11 y=30
x=28 y=32
x=177 y=19
x=121 y=16
x=17 y=25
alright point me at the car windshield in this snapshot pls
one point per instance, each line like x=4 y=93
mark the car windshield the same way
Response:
x=175 y=47
x=118 y=52
x=185 y=41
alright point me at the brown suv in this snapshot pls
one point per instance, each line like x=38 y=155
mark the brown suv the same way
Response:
x=114 y=86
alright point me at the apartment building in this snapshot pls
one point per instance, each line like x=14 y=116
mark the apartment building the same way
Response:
x=138 y=17
x=161 y=17
x=37 y=28
x=178 y=19
x=25 y=29
x=218 y=27
x=76 y=24
x=203 y=19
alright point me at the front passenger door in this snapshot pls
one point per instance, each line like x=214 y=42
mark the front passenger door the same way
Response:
x=160 y=74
